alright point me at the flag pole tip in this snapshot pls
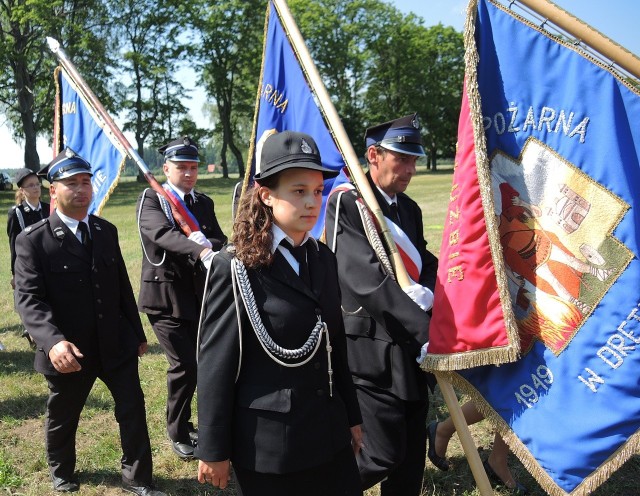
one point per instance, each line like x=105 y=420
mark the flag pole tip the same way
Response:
x=54 y=46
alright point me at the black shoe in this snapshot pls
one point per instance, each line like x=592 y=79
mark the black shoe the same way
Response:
x=518 y=489
x=64 y=485
x=435 y=458
x=193 y=434
x=142 y=490
x=183 y=450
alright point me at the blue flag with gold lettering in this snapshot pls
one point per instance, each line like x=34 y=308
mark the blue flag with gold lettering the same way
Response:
x=286 y=102
x=557 y=138
x=79 y=127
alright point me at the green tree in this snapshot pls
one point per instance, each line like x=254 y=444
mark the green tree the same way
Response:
x=230 y=33
x=338 y=33
x=27 y=90
x=444 y=78
x=151 y=56
x=418 y=69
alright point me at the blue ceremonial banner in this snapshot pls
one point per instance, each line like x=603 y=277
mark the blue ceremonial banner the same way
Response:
x=561 y=155
x=79 y=127
x=285 y=102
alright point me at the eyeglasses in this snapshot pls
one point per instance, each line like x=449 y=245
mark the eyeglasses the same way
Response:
x=34 y=185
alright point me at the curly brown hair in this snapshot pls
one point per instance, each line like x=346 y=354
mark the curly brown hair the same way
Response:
x=252 y=236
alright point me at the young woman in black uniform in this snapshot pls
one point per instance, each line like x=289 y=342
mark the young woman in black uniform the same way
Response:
x=27 y=210
x=275 y=395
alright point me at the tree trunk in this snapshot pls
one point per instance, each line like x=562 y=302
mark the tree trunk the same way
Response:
x=227 y=136
x=239 y=159
x=223 y=160
x=26 y=105
x=140 y=144
x=433 y=153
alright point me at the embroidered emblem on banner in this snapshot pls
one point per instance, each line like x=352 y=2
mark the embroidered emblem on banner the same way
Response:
x=555 y=224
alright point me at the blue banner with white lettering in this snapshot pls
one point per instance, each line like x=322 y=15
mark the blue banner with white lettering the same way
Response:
x=286 y=102
x=562 y=137
x=80 y=128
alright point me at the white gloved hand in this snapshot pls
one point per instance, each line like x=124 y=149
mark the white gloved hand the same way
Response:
x=207 y=258
x=423 y=297
x=423 y=352
x=200 y=238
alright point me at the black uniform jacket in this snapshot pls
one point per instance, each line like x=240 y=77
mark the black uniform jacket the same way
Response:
x=64 y=293
x=274 y=419
x=30 y=217
x=385 y=328
x=173 y=277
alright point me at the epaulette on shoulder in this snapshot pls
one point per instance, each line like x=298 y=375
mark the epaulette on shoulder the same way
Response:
x=34 y=227
x=230 y=248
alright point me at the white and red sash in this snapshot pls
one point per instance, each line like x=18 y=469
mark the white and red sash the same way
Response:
x=408 y=252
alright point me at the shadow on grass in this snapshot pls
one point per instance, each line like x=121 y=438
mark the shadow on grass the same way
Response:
x=23 y=407
x=14 y=362
x=32 y=406
x=16 y=328
x=154 y=349
x=173 y=486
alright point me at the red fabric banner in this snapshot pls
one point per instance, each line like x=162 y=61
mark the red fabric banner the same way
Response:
x=468 y=324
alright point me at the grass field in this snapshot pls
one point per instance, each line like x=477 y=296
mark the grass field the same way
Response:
x=23 y=469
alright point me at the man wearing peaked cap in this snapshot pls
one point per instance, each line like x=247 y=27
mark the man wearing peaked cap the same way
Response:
x=74 y=296
x=174 y=268
x=386 y=325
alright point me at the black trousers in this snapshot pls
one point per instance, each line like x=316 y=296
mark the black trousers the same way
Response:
x=395 y=442
x=338 y=477
x=67 y=396
x=178 y=339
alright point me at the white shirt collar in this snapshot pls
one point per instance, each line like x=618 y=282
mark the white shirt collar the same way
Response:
x=181 y=193
x=279 y=235
x=387 y=197
x=72 y=224
x=36 y=208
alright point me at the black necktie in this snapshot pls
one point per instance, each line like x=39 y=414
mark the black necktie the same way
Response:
x=188 y=200
x=85 y=238
x=394 y=215
x=300 y=254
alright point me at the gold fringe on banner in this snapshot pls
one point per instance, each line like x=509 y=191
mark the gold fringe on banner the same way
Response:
x=586 y=487
x=632 y=446
x=510 y=352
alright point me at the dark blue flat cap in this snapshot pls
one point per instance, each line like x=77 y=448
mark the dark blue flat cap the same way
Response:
x=400 y=135
x=68 y=163
x=180 y=150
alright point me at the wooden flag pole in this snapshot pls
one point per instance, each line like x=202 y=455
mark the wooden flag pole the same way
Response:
x=585 y=33
x=362 y=184
x=344 y=144
x=99 y=109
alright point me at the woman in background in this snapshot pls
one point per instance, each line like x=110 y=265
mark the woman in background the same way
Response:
x=27 y=210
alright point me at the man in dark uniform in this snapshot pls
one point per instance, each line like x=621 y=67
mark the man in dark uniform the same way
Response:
x=386 y=326
x=74 y=295
x=174 y=267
